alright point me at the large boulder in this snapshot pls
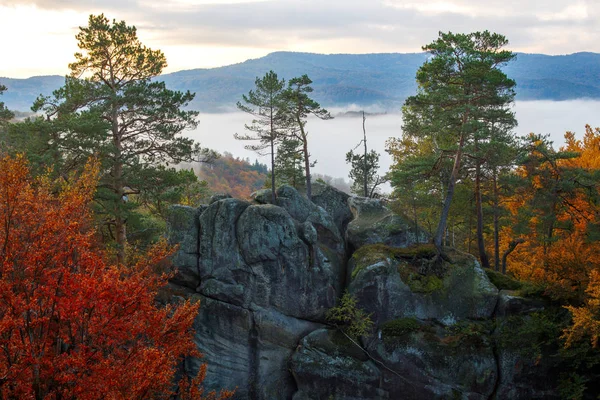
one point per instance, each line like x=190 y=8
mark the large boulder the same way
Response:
x=256 y=255
x=374 y=223
x=393 y=283
x=265 y=279
x=335 y=202
x=246 y=350
x=426 y=361
x=326 y=365
x=266 y=274
x=182 y=230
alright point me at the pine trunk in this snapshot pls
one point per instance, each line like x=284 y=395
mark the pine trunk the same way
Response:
x=365 y=166
x=306 y=159
x=272 y=160
x=117 y=174
x=496 y=225
x=441 y=229
x=485 y=263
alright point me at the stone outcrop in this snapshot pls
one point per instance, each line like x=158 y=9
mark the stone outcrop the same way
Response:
x=266 y=274
x=374 y=223
x=391 y=284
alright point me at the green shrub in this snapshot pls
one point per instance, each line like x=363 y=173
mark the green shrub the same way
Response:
x=349 y=318
x=530 y=334
x=572 y=386
x=530 y=289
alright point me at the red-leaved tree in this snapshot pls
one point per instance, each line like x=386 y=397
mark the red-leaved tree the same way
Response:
x=71 y=325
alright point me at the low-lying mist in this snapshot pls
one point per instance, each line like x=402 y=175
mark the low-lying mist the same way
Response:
x=330 y=140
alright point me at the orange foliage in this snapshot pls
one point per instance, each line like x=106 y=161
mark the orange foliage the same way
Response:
x=558 y=250
x=72 y=326
x=585 y=319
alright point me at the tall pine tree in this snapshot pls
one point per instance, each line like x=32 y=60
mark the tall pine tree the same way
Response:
x=460 y=87
x=299 y=106
x=111 y=106
x=265 y=104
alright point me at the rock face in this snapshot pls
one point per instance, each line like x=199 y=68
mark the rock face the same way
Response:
x=266 y=274
x=373 y=223
x=389 y=285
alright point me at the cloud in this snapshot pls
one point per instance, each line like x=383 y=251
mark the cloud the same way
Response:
x=333 y=26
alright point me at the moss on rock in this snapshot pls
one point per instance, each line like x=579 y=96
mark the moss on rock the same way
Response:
x=374 y=253
x=400 y=326
x=503 y=282
x=417 y=282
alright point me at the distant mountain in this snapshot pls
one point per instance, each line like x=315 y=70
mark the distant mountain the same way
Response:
x=378 y=81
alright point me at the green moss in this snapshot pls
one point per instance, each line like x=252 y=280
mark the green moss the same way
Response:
x=399 y=327
x=532 y=290
x=503 y=282
x=371 y=254
x=419 y=283
x=473 y=335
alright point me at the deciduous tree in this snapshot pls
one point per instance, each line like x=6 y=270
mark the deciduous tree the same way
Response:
x=73 y=326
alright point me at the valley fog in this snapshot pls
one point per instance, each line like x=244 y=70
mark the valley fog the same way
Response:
x=330 y=140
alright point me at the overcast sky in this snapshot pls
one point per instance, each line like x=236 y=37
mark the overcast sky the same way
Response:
x=38 y=35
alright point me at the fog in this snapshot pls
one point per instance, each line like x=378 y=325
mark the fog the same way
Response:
x=330 y=140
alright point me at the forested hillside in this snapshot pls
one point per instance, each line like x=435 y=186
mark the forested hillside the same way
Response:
x=233 y=176
x=377 y=80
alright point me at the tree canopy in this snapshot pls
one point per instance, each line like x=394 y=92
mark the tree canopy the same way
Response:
x=461 y=89
x=299 y=105
x=111 y=107
x=72 y=325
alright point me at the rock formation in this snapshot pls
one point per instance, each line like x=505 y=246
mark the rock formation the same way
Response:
x=266 y=274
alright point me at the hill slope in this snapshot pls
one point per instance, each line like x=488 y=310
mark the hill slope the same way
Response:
x=377 y=80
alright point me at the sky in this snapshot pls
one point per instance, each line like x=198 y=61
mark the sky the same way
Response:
x=38 y=36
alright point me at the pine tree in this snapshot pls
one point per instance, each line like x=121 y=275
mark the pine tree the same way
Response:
x=298 y=106
x=461 y=87
x=111 y=106
x=289 y=162
x=265 y=104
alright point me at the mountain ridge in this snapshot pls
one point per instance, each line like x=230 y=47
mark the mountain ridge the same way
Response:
x=379 y=81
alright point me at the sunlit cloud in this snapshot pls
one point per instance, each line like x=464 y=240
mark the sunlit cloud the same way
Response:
x=577 y=11
x=209 y=33
x=433 y=7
